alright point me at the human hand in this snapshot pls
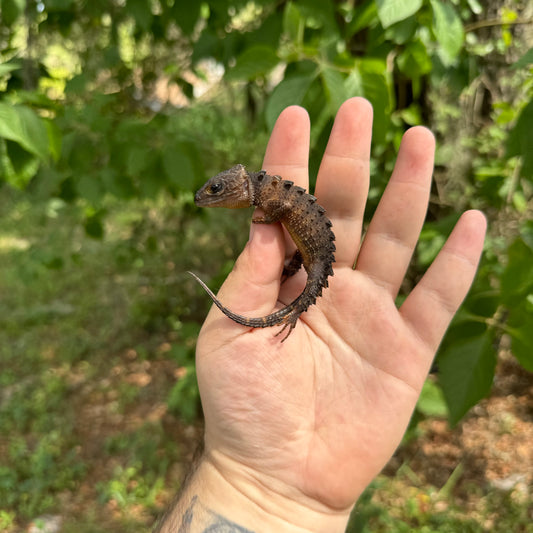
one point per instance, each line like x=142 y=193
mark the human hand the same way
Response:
x=314 y=419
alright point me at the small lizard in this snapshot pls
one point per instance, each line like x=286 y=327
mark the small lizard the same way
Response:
x=305 y=220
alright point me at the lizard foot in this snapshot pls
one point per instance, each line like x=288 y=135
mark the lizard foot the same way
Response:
x=289 y=322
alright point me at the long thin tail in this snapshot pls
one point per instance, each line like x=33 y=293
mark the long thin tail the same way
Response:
x=283 y=316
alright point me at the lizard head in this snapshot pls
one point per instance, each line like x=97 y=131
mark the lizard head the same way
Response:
x=231 y=188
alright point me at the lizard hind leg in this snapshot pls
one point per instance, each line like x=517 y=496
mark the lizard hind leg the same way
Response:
x=289 y=322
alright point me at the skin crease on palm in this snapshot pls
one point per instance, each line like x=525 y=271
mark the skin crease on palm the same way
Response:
x=314 y=419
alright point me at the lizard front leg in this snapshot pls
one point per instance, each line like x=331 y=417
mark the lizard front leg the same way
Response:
x=266 y=219
x=292 y=267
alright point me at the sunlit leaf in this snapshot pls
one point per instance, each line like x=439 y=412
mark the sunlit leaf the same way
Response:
x=21 y=125
x=431 y=401
x=448 y=30
x=6 y=68
x=293 y=23
x=392 y=11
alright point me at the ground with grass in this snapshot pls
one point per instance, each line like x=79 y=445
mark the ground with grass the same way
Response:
x=99 y=412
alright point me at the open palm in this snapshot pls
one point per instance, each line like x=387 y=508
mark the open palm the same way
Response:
x=318 y=415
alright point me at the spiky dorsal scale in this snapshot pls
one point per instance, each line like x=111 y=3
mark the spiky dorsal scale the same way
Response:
x=306 y=223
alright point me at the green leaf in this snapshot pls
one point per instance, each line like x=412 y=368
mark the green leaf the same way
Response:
x=525 y=60
x=517 y=278
x=21 y=125
x=10 y=66
x=11 y=10
x=319 y=14
x=520 y=326
x=402 y=32
x=431 y=401
x=414 y=60
x=448 y=30
x=186 y=14
x=54 y=139
x=466 y=372
x=290 y=91
x=139 y=159
x=293 y=23
x=334 y=88
x=18 y=167
x=392 y=11
x=377 y=87
x=520 y=140
x=363 y=16
x=253 y=62
x=141 y=12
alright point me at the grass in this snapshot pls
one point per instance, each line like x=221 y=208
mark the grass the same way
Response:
x=98 y=402
x=87 y=328
x=394 y=504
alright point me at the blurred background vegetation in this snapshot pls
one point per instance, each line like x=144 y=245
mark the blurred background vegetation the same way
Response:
x=113 y=113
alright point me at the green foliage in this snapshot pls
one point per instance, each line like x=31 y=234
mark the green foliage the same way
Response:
x=107 y=104
x=184 y=398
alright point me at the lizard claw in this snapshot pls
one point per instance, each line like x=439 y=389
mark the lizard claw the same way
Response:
x=289 y=322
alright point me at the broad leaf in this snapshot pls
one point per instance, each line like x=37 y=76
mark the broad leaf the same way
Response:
x=19 y=166
x=431 y=401
x=11 y=10
x=466 y=371
x=414 y=61
x=290 y=91
x=186 y=14
x=21 y=125
x=520 y=324
x=334 y=88
x=448 y=30
x=520 y=142
x=293 y=23
x=517 y=278
x=377 y=87
x=525 y=60
x=392 y=11
x=253 y=62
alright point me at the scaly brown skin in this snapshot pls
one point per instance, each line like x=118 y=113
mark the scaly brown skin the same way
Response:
x=305 y=220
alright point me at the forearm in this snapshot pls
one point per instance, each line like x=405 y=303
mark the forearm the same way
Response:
x=238 y=502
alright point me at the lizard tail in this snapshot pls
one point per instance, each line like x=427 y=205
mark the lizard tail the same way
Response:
x=288 y=316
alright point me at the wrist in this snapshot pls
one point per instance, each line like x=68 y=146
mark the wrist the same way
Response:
x=258 y=502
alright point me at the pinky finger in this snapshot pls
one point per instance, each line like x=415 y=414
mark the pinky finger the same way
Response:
x=433 y=302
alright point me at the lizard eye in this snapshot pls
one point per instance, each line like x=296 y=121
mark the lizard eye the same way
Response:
x=215 y=188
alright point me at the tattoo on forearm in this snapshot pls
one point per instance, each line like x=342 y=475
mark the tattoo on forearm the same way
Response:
x=198 y=518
